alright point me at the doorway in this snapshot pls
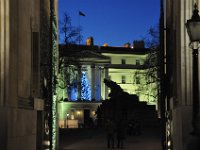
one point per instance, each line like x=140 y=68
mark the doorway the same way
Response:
x=86 y=117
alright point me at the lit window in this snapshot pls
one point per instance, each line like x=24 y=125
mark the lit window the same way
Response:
x=123 y=61
x=123 y=79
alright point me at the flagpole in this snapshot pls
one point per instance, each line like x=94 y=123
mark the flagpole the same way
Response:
x=79 y=25
x=80 y=14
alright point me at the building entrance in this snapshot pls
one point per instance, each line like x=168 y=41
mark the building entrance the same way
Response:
x=86 y=117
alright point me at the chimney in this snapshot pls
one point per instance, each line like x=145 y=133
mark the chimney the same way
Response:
x=127 y=45
x=90 y=41
x=105 y=44
x=138 y=44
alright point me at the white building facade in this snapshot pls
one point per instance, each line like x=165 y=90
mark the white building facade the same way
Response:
x=93 y=64
x=127 y=70
x=125 y=66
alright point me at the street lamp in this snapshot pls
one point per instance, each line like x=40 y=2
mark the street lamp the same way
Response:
x=193 y=29
x=67 y=119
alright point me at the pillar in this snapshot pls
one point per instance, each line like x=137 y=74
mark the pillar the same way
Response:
x=93 y=82
x=79 y=82
x=98 y=88
x=106 y=77
x=102 y=83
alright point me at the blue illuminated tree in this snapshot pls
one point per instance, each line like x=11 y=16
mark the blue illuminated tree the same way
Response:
x=85 y=88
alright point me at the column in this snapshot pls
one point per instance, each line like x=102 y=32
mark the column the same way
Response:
x=106 y=77
x=98 y=83
x=79 y=82
x=93 y=82
x=99 y=97
x=4 y=50
x=102 y=83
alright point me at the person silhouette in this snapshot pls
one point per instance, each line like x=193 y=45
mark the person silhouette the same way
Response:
x=110 y=132
x=121 y=132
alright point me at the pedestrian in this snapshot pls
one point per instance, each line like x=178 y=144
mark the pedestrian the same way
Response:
x=110 y=133
x=121 y=132
x=130 y=129
x=137 y=127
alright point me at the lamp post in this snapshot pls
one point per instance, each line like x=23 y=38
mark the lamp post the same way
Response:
x=193 y=28
x=67 y=119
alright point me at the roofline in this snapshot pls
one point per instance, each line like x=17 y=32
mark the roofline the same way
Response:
x=103 y=49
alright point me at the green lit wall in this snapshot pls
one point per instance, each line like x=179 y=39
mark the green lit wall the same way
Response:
x=130 y=58
x=146 y=92
x=75 y=111
x=129 y=70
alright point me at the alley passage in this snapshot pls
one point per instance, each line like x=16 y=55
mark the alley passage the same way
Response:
x=95 y=139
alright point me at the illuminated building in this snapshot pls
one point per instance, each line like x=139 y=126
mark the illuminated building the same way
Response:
x=123 y=65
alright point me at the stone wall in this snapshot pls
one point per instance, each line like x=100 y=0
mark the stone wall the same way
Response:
x=3 y=128
x=179 y=69
x=20 y=72
x=21 y=129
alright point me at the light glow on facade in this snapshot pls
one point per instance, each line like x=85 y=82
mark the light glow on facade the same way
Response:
x=54 y=71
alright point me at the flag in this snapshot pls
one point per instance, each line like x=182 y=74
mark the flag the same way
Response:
x=81 y=14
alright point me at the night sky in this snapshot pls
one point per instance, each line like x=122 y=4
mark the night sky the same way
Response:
x=115 y=22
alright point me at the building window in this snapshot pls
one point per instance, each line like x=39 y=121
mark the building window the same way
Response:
x=123 y=61
x=137 y=79
x=137 y=62
x=35 y=63
x=123 y=79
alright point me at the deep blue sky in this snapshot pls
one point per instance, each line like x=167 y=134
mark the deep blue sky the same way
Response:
x=115 y=22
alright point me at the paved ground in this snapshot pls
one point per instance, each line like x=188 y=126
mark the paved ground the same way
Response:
x=93 y=139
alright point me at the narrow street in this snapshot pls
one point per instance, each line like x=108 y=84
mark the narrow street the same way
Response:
x=95 y=139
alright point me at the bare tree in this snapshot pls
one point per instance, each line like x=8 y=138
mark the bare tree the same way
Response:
x=152 y=38
x=69 y=34
x=67 y=65
x=151 y=65
x=152 y=62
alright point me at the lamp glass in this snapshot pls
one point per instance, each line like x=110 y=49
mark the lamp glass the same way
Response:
x=193 y=28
